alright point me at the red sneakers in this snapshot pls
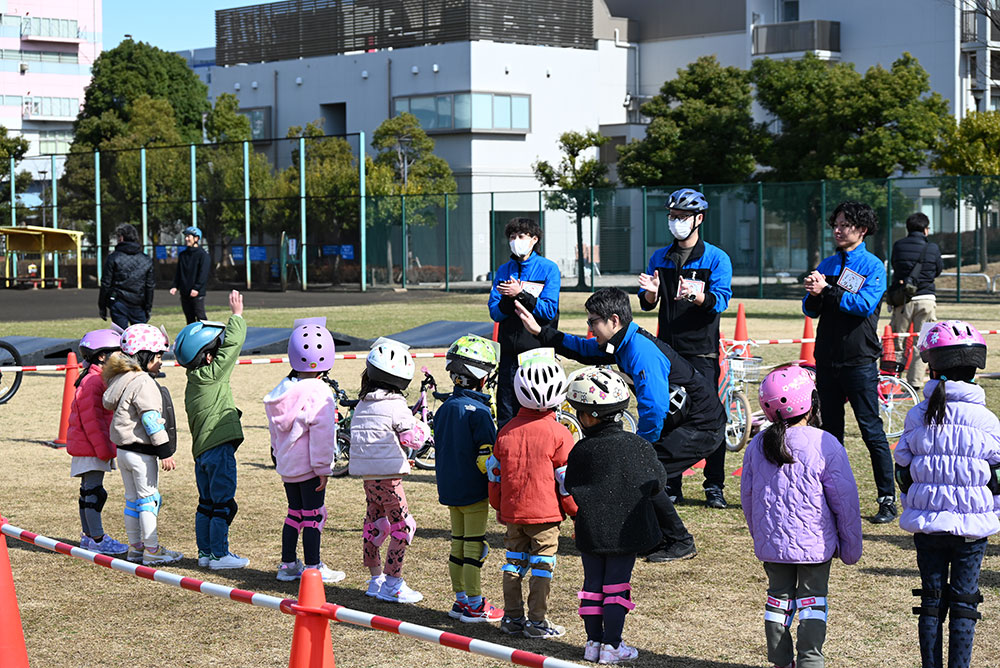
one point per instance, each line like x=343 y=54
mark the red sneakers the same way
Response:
x=486 y=612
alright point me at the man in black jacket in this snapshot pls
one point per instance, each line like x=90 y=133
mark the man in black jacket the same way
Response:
x=192 y=274
x=919 y=308
x=127 y=282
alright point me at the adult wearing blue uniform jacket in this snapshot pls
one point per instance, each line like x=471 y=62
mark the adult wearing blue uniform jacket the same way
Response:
x=691 y=280
x=845 y=293
x=532 y=281
x=680 y=439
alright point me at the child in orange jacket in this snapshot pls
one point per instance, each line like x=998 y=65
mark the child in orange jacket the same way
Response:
x=526 y=473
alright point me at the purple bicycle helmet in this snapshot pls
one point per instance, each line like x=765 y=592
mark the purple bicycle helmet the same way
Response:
x=953 y=343
x=786 y=392
x=310 y=347
x=98 y=340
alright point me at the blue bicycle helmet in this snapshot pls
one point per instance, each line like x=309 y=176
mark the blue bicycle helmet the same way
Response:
x=195 y=340
x=193 y=231
x=687 y=199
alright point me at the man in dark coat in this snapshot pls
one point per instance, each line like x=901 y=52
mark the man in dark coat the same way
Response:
x=127 y=282
x=192 y=275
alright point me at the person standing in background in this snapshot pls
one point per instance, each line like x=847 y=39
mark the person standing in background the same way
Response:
x=127 y=281
x=193 y=264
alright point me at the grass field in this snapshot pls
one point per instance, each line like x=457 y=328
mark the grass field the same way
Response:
x=702 y=613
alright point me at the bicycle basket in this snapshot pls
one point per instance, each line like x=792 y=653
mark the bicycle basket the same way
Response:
x=747 y=369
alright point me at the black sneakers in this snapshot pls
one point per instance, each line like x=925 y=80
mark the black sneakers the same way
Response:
x=886 y=510
x=674 y=552
x=715 y=499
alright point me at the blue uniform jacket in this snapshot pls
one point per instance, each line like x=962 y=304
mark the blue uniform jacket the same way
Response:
x=512 y=336
x=688 y=328
x=847 y=334
x=461 y=425
x=653 y=367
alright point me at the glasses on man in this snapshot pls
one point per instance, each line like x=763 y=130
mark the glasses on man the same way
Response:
x=591 y=321
x=679 y=214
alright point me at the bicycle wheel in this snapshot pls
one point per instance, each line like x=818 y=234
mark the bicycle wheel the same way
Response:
x=342 y=458
x=628 y=422
x=424 y=457
x=895 y=399
x=9 y=380
x=737 y=421
x=569 y=421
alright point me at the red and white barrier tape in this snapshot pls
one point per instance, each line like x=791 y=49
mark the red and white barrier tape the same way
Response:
x=332 y=611
x=765 y=342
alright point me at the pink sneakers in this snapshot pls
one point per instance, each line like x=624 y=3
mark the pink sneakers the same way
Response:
x=486 y=612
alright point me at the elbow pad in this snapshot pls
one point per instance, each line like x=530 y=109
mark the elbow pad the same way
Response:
x=560 y=476
x=416 y=436
x=483 y=458
x=994 y=483
x=153 y=422
x=493 y=469
x=903 y=478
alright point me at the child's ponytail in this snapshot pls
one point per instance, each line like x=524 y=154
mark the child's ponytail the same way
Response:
x=773 y=441
x=937 y=402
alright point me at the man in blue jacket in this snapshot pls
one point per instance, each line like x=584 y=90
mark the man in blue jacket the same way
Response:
x=692 y=282
x=679 y=409
x=845 y=293
x=532 y=281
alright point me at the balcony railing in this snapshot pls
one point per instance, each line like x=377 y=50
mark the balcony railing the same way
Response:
x=796 y=36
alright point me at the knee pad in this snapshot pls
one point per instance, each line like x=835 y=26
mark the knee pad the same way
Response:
x=617 y=598
x=779 y=610
x=293 y=519
x=537 y=572
x=513 y=567
x=973 y=600
x=483 y=550
x=591 y=609
x=100 y=497
x=227 y=511
x=204 y=507
x=317 y=518
x=376 y=532
x=404 y=529
x=149 y=504
x=940 y=611
x=811 y=607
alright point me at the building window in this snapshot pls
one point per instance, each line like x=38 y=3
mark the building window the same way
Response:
x=54 y=141
x=50 y=107
x=790 y=10
x=468 y=111
x=39 y=56
x=33 y=26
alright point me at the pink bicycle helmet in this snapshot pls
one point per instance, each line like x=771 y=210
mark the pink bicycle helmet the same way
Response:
x=310 y=347
x=144 y=337
x=953 y=343
x=100 y=339
x=786 y=392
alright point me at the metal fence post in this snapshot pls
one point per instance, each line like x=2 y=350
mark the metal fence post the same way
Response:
x=302 y=212
x=888 y=215
x=493 y=223
x=145 y=204
x=822 y=217
x=958 y=250
x=194 y=190
x=541 y=214
x=363 y=224
x=246 y=207
x=13 y=196
x=447 y=245
x=406 y=251
x=97 y=215
x=760 y=240
x=592 y=285
x=55 y=212
x=645 y=222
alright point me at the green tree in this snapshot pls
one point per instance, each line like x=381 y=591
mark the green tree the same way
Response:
x=11 y=147
x=701 y=130
x=971 y=147
x=127 y=72
x=579 y=181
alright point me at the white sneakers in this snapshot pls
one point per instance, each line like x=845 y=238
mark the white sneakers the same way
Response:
x=618 y=654
x=592 y=651
x=204 y=558
x=375 y=585
x=397 y=593
x=227 y=562
x=290 y=571
x=329 y=575
x=161 y=556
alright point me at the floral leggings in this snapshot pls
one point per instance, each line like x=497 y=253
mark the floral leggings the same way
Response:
x=386 y=499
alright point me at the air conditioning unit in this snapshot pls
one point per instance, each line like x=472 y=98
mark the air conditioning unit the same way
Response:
x=24 y=68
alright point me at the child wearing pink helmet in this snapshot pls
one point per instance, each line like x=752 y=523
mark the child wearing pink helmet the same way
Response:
x=301 y=416
x=947 y=464
x=801 y=505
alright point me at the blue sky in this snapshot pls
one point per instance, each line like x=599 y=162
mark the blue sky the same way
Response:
x=172 y=26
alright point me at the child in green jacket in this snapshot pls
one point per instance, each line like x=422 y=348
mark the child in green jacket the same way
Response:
x=209 y=351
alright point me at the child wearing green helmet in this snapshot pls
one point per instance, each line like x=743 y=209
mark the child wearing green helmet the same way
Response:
x=464 y=435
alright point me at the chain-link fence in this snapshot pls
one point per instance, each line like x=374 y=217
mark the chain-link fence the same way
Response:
x=286 y=214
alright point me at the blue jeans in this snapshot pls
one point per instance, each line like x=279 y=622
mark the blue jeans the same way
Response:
x=215 y=475
x=124 y=315
x=957 y=593
x=859 y=385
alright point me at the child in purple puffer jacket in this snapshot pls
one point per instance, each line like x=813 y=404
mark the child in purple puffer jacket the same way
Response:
x=947 y=464
x=801 y=505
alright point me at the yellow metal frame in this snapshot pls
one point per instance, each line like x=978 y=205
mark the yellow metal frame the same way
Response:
x=42 y=240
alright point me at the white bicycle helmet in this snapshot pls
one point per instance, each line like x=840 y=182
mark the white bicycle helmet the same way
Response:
x=540 y=384
x=597 y=391
x=390 y=362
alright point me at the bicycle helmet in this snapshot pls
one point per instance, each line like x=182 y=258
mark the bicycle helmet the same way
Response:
x=540 y=383
x=952 y=343
x=472 y=356
x=311 y=347
x=100 y=340
x=390 y=362
x=193 y=231
x=687 y=199
x=597 y=391
x=144 y=337
x=786 y=392
x=197 y=339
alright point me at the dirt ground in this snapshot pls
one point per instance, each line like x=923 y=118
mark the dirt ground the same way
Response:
x=702 y=613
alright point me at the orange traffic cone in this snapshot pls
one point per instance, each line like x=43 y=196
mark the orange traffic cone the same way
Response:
x=496 y=331
x=741 y=333
x=888 y=364
x=69 y=390
x=312 y=646
x=806 y=352
x=12 y=648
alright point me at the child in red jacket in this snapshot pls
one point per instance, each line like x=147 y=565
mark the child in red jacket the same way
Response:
x=88 y=440
x=525 y=474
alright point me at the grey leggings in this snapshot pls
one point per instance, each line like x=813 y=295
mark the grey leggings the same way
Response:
x=92 y=498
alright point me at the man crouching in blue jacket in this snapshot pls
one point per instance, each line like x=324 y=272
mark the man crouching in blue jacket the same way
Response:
x=679 y=409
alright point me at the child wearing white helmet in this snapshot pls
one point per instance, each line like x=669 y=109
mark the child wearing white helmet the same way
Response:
x=301 y=416
x=144 y=430
x=526 y=489
x=383 y=433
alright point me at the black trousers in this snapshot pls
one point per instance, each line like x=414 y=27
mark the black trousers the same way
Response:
x=715 y=463
x=600 y=570
x=677 y=450
x=507 y=404
x=194 y=308
x=124 y=315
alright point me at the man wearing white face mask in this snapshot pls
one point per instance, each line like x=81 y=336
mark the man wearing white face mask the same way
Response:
x=692 y=281
x=533 y=281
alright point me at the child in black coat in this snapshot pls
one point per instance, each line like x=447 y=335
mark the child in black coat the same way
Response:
x=613 y=475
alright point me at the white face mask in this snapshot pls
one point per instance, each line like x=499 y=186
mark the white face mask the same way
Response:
x=681 y=228
x=521 y=247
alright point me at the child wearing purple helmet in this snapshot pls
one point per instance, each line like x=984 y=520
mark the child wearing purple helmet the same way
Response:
x=301 y=416
x=800 y=501
x=947 y=464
